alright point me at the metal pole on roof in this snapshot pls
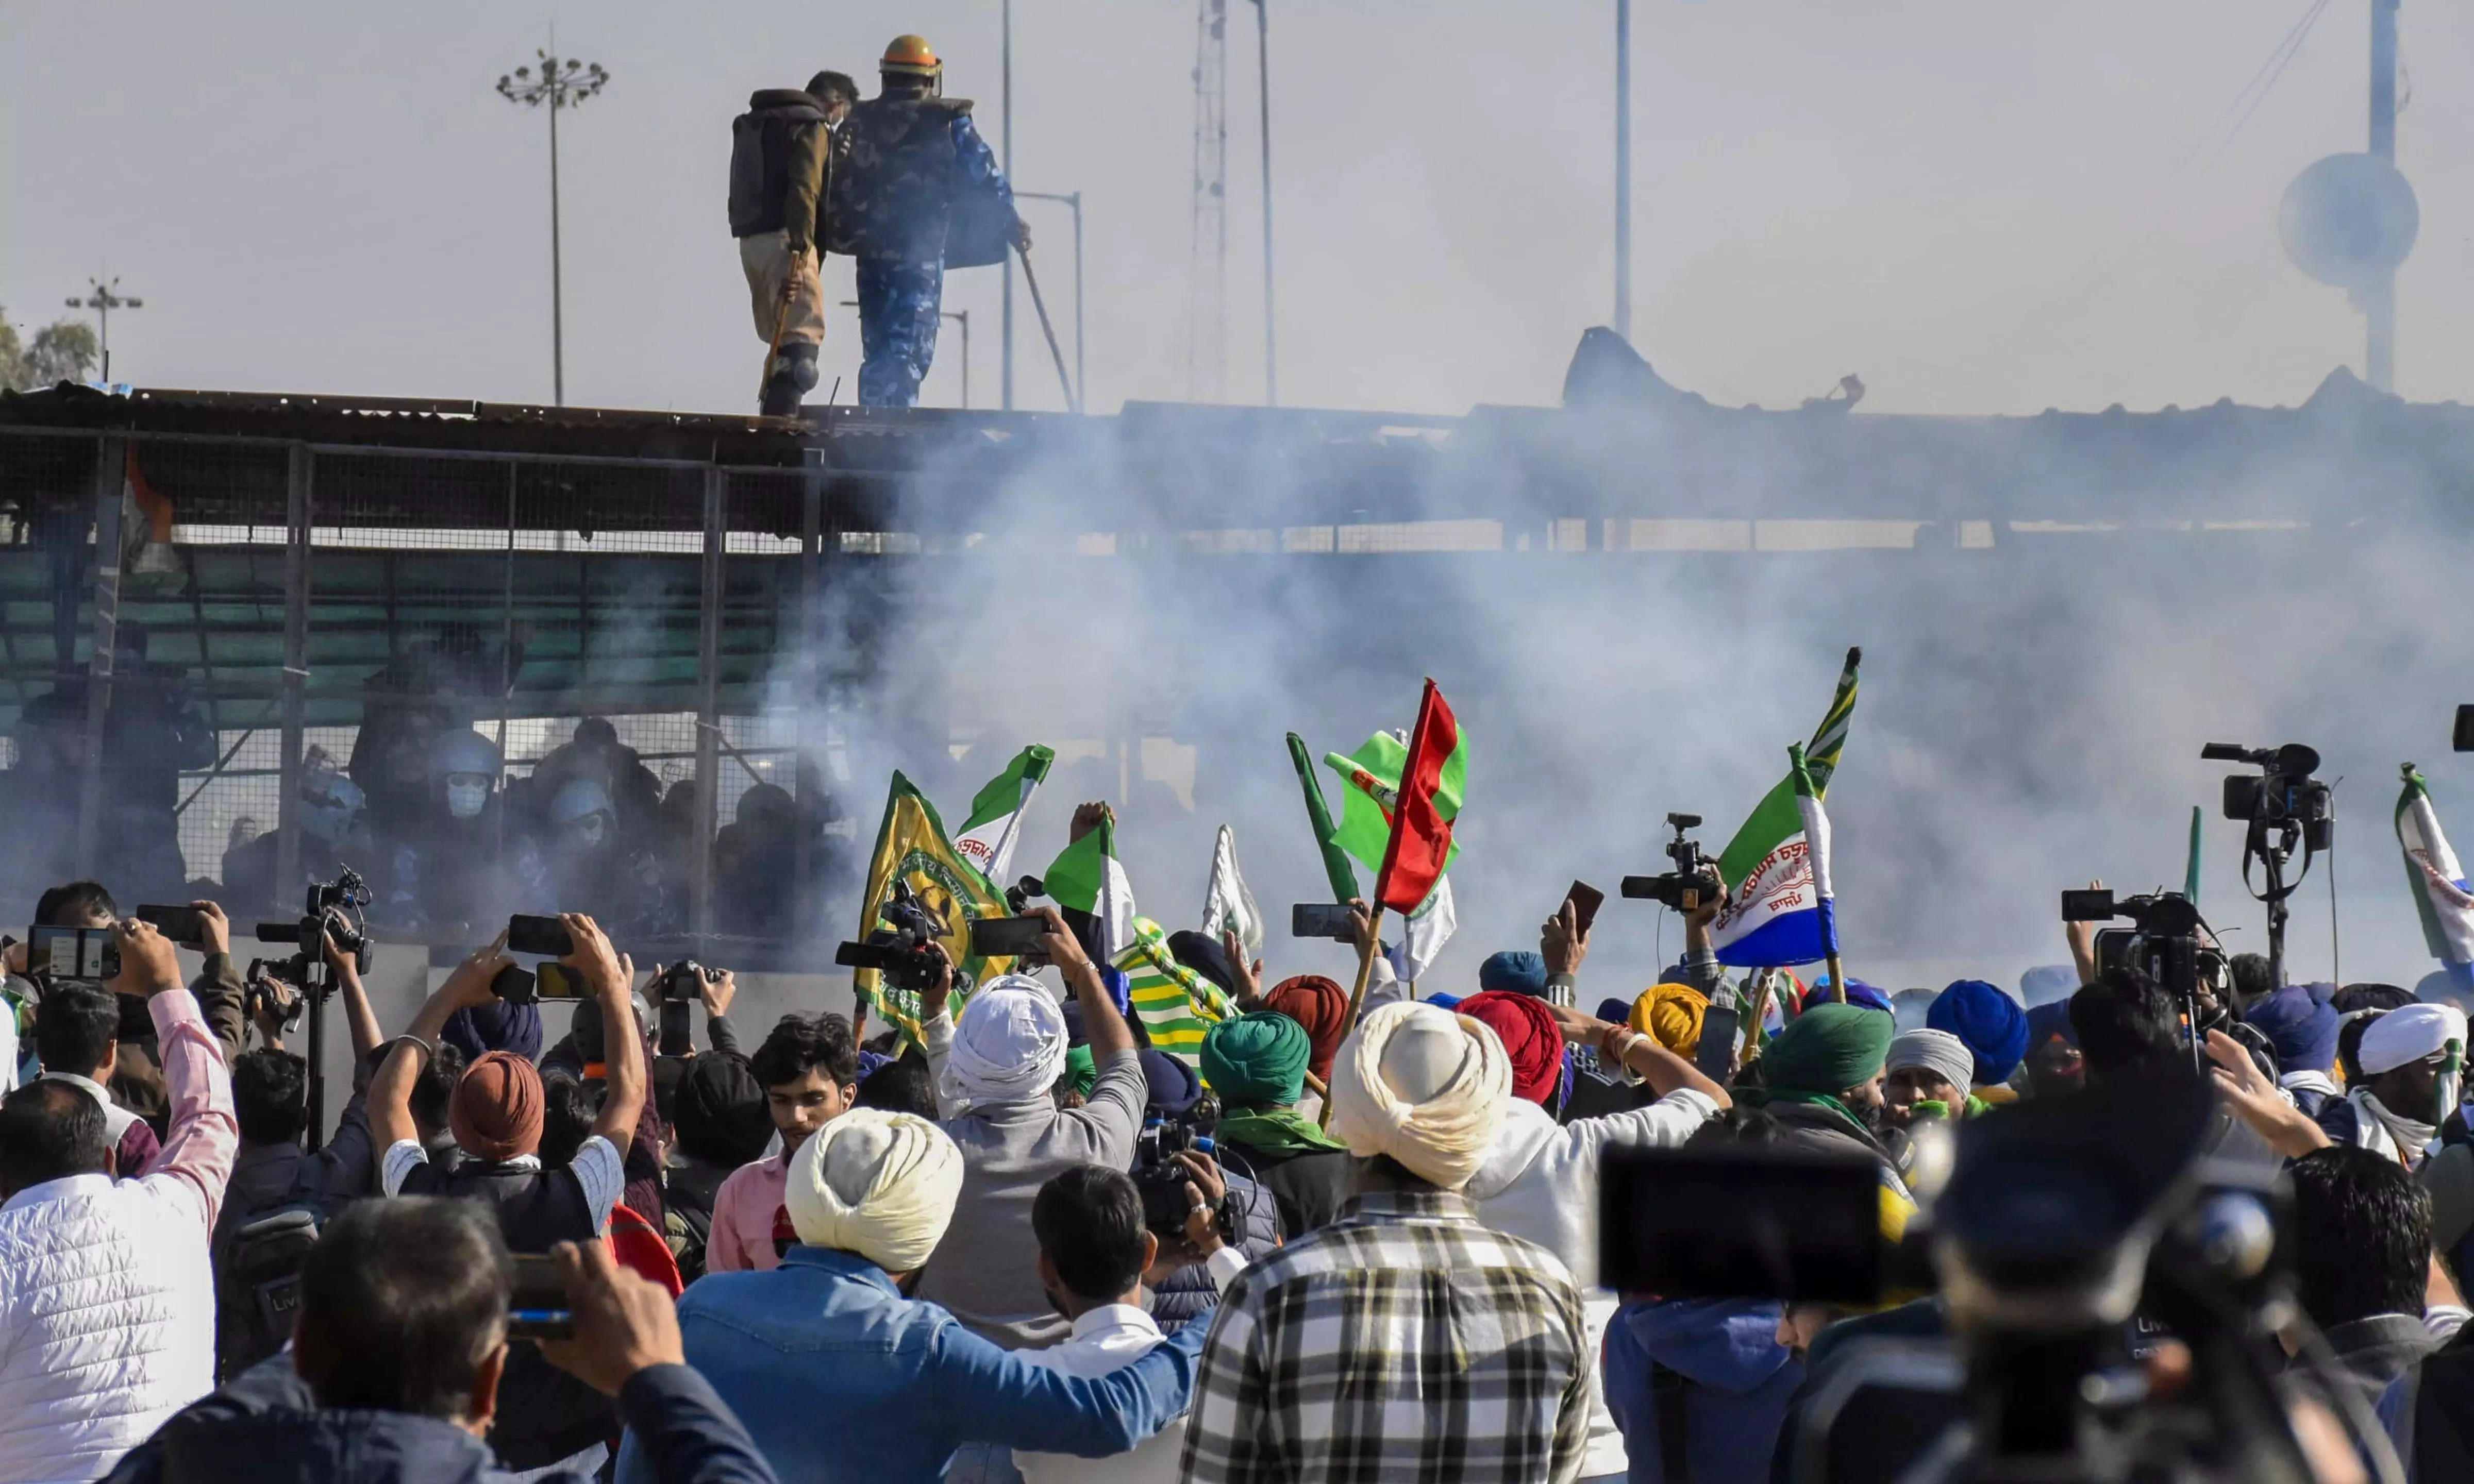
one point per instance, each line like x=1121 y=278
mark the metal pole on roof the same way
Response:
x=563 y=83
x=1005 y=143
x=1623 y=169
x=1263 y=78
x=2379 y=299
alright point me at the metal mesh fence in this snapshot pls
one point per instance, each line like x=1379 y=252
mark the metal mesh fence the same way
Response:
x=564 y=683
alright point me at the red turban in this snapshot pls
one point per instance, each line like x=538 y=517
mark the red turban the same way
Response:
x=1321 y=1007
x=497 y=1111
x=1529 y=1034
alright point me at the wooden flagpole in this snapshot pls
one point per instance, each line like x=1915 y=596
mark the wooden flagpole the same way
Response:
x=1357 y=995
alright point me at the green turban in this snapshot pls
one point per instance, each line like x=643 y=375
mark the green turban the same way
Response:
x=1257 y=1059
x=1827 y=1049
x=1082 y=1070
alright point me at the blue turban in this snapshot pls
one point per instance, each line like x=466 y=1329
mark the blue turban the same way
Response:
x=2049 y=1020
x=1858 y=993
x=1513 y=973
x=2300 y=1026
x=1991 y=1023
x=477 y=1030
x=2047 y=984
x=1173 y=1087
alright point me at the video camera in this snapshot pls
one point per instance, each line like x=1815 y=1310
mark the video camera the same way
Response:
x=906 y=952
x=1162 y=1180
x=330 y=909
x=1692 y=884
x=2283 y=807
x=2162 y=941
x=2073 y=1233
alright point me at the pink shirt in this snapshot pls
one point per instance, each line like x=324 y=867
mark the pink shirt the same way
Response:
x=748 y=1218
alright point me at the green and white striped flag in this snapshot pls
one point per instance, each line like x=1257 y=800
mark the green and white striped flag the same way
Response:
x=986 y=839
x=1176 y=1004
x=1086 y=877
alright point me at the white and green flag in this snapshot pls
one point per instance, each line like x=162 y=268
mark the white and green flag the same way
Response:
x=2441 y=896
x=1086 y=876
x=1227 y=906
x=986 y=839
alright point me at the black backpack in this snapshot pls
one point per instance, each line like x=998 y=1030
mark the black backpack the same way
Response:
x=260 y=1280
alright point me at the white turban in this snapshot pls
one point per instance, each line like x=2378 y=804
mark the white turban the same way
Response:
x=1938 y=1052
x=878 y=1183
x=1424 y=1086
x=1009 y=1045
x=2409 y=1033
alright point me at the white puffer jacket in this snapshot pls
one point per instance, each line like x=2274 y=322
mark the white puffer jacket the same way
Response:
x=107 y=1299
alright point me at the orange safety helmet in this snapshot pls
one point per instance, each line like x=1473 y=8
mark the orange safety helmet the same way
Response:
x=911 y=56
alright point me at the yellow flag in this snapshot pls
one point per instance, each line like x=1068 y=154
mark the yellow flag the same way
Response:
x=912 y=848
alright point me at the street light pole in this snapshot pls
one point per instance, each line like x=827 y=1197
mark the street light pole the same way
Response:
x=102 y=300
x=1623 y=168
x=1004 y=145
x=1263 y=75
x=1073 y=199
x=563 y=83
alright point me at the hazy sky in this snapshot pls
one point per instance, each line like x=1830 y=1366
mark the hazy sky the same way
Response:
x=1980 y=206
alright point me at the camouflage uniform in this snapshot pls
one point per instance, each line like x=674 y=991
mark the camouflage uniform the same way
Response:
x=915 y=190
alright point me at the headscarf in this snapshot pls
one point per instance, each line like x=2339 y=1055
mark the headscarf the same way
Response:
x=2299 y=1025
x=1512 y=973
x=1256 y=1061
x=1860 y=996
x=720 y=1111
x=497 y=1111
x=1204 y=956
x=1670 y=1015
x=1009 y=1045
x=878 y=1183
x=1938 y=1052
x=1530 y=1036
x=2409 y=1034
x=1826 y=1049
x=477 y=1030
x=1321 y=1007
x=1171 y=1089
x=1991 y=1023
x=1422 y=1086
x=1082 y=1070
x=2052 y=1020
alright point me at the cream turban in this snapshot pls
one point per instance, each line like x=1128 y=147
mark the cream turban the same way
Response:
x=1424 y=1086
x=878 y=1183
x=2409 y=1034
x=1009 y=1045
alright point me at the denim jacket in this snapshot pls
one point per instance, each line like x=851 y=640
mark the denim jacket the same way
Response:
x=839 y=1378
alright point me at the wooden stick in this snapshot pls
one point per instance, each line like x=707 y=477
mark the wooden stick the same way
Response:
x=1315 y=1084
x=1357 y=995
x=1761 y=983
x=1837 y=980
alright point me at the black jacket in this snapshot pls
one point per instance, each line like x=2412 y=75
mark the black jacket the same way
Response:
x=265 y=1427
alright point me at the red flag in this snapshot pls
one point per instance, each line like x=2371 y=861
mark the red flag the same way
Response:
x=1421 y=823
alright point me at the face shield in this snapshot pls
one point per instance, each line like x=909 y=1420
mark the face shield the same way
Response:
x=468 y=794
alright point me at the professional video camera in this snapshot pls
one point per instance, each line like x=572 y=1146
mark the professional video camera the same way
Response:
x=1162 y=1180
x=1692 y=884
x=2164 y=944
x=330 y=909
x=2283 y=807
x=906 y=952
x=2073 y=1235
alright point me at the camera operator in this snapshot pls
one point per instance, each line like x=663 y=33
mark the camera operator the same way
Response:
x=995 y=1068
x=399 y=1357
x=496 y=1115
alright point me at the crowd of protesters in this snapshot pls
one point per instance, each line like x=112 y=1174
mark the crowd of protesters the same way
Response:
x=1032 y=1245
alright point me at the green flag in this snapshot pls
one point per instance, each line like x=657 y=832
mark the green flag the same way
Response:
x=1086 y=876
x=1334 y=860
x=986 y=839
x=1371 y=788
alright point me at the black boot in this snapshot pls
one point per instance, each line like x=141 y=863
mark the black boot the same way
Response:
x=795 y=376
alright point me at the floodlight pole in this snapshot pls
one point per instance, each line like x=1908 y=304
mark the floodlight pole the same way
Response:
x=1005 y=144
x=563 y=83
x=1263 y=80
x=2379 y=299
x=1623 y=169
x=102 y=300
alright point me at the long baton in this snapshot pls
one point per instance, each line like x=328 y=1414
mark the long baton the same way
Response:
x=1072 y=400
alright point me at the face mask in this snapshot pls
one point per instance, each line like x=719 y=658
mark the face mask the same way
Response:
x=465 y=800
x=589 y=829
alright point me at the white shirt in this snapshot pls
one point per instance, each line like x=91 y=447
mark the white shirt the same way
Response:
x=1107 y=1339
x=596 y=1166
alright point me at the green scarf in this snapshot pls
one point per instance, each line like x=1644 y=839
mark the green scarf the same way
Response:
x=1275 y=1130
x=1759 y=1097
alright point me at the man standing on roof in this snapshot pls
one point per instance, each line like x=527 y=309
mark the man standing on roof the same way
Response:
x=915 y=191
x=780 y=163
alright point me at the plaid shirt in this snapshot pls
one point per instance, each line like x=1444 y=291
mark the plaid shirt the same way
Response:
x=1403 y=1342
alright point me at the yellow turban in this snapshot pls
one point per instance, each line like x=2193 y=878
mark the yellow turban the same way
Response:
x=878 y=1183
x=1422 y=1085
x=1670 y=1015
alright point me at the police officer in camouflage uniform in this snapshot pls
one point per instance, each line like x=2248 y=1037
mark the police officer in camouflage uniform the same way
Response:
x=914 y=191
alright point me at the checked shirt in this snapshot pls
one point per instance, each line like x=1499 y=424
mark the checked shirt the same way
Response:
x=1402 y=1342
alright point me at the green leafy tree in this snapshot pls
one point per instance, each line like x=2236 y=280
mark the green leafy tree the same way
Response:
x=63 y=350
